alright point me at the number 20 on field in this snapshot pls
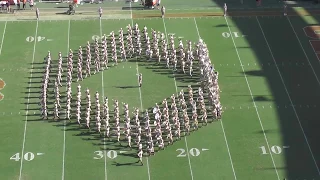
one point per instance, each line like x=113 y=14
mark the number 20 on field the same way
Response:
x=193 y=152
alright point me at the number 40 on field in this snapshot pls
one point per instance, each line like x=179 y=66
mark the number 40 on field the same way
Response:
x=28 y=156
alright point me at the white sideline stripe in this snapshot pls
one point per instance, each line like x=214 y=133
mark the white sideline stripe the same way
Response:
x=141 y=106
x=315 y=31
x=254 y=103
x=64 y=122
x=175 y=84
x=315 y=52
x=224 y=134
x=26 y=120
x=93 y=17
x=304 y=51
x=104 y=138
x=294 y=109
x=4 y=32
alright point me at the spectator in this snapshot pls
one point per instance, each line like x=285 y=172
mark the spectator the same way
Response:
x=31 y=4
x=24 y=4
x=258 y=2
x=18 y=4
x=158 y=4
x=8 y=6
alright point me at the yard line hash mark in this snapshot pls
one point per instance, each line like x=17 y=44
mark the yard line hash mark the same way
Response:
x=64 y=122
x=104 y=138
x=285 y=87
x=28 y=101
x=253 y=101
x=4 y=32
x=224 y=134
x=175 y=83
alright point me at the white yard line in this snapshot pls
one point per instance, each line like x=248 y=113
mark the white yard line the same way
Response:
x=64 y=122
x=195 y=22
x=131 y=13
x=304 y=51
x=224 y=134
x=141 y=106
x=175 y=84
x=4 y=32
x=285 y=87
x=28 y=101
x=253 y=101
x=104 y=138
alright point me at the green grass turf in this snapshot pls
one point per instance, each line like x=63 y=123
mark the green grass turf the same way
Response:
x=241 y=124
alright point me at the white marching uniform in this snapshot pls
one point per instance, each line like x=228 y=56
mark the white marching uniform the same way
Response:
x=225 y=8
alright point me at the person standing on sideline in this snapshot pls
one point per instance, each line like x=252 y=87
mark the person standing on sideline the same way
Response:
x=285 y=9
x=24 y=2
x=75 y=3
x=31 y=4
x=100 y=12
x=258 y=2
x=8 y=6
x=37 y=13
x=225 y=8
x=158 y=4
x=163 y=10
x=18 y=4
x=140 y=79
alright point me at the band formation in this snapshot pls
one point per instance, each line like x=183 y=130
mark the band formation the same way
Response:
x=158 y=126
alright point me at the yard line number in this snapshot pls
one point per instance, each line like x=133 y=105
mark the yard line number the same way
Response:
x=95 y=37
x=227 y=34
x=110 y=154
x=193 y=152
x=28 y=156
x=31 y=38
x=273 y=149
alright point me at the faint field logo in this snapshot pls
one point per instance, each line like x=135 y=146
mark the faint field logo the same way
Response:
x=2 y=85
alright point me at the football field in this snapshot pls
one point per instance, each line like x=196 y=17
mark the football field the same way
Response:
x=269 y=75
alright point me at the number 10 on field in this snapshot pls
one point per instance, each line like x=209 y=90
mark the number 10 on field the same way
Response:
x=273 y=149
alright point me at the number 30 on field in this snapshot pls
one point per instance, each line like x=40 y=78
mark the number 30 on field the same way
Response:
x=110 y=154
